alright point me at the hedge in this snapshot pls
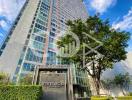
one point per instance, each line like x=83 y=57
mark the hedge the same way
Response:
x=110 y=98
x=124 y=98
x=101 y=98
x=12 y=92
x=130 y=94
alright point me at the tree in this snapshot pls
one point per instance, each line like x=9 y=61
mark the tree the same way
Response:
x=107 y=84
x=123 y=80
x=113 y=45
x=130 y=94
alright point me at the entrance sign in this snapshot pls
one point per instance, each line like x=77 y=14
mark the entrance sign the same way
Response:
x=53 y=80
x=56 y=82
x=54 y=86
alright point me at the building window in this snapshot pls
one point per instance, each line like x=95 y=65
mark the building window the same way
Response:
x=40 y=27
x=54 y=20
x=38 y=38
x=20 y=62
x=37 y=45
x=17 y=70
x=51 y=59
x=36 y=30
x=34 y=55
x=51 y=40
x=52 y=34
x=53 y=24
x=0 y=52
x=41 y=22
x=53 y=29
x=28 y=67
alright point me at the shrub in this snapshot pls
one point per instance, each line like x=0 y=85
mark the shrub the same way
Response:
x=110 y=98
x=12 y=92
x=26 y=80
x=4 y=79
x=101 y=98
x=130 y=94
x=124 y=98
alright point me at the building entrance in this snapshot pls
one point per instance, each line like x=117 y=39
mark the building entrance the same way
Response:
x=56 y=82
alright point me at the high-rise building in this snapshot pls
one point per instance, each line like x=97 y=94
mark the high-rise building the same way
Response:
x=31 y=40
x=35 y=31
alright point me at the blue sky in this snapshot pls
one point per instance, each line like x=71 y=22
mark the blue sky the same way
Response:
x=119 y=13
x=9 y=9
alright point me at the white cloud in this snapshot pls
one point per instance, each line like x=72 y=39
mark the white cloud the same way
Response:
x=10 y=8
x=102 y=5
x=4 y=24
x=125 y=23
x=1 y=35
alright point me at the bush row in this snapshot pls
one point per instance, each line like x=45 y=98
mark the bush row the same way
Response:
x=101 y=98
x=110 y=98
x=12 y=92
x=130 y=94
x=124 y=98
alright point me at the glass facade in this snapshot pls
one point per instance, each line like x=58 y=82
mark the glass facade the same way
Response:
x=80 y=82
x=33 y=51
x=49 y=21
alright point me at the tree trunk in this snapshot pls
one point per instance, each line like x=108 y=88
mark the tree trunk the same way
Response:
x=97 y=85
x=122 y=90
x=98 y=80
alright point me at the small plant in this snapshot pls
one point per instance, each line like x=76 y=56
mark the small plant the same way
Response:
x=122 y=80
x=101 y=98
x=26 y=80
x=130 y=94
x=124 y=98
x=4 y=79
